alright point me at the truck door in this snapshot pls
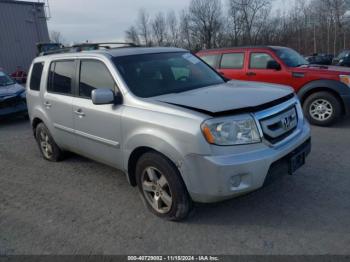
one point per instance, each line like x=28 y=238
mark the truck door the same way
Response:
x=262 y=67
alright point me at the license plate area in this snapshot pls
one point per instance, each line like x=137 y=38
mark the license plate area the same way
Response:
x=296 y=161
x=298 y=157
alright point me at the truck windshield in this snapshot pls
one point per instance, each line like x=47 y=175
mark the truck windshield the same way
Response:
x=152 y=75
x=343 y=54
x=5 y=80
x=290 y=57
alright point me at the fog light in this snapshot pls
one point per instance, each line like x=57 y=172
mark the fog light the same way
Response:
x=235 y=181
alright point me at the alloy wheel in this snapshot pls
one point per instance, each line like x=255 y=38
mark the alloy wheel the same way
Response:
x=156 y=190
x=45 y=144
x=321 y=110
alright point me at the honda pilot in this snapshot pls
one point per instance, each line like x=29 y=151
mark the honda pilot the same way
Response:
x=176 y=128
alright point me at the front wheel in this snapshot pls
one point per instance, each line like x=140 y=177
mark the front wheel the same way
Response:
x=162 y=187
x=322 y=109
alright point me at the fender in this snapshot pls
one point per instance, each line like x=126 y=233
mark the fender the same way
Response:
x=158 y=141
x=336 y=86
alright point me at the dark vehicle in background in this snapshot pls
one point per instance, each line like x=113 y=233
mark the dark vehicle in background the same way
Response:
x=320 y=59
x=343 y=59
x=324 y=91
x=12 y=97
x=48 y=47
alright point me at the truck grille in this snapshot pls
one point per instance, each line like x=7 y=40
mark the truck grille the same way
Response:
x=279 y=126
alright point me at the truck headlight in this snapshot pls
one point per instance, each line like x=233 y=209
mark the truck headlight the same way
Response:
x=345 y=79
x=231 y=131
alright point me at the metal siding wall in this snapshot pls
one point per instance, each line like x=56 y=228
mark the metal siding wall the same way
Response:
x=19 y=33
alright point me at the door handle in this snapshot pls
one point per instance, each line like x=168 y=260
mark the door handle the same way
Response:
x=48 y=105
x=79 y=113
x=251 y=74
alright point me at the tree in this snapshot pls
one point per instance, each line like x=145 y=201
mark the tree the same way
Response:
x=173 y=36
x=159 y=29
x=56 y=37
x=132 y=36
x=308 y=26
x=143 y=25
x=206 y=20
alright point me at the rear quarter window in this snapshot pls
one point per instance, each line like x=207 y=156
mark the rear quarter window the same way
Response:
x=210 y=59
x=35 y=79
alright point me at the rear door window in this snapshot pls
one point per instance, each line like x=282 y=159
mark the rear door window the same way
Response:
x=35 y=79
x=60 y=77
x=94 y=75
x=210 y=59
x=232 y=61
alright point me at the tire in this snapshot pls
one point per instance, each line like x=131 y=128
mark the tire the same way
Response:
x=158 y=179
x=322 y=109
x=48 y=148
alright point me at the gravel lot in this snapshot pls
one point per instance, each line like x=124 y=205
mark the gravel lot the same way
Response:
x=82 y=207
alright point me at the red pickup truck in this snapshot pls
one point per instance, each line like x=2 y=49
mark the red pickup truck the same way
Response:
x=324 y=91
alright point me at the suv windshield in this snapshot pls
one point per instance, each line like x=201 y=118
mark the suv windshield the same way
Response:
x=5 y=80
x=159 y=74
x=290 y=57
x=343 y=54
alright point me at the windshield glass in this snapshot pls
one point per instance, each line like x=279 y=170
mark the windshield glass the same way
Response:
x=159 y=74
x=342 y=54
x=290 y=57
x=5 y=80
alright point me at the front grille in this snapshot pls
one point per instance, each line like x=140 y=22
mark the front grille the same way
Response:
x=11 y=102
x=279 y=126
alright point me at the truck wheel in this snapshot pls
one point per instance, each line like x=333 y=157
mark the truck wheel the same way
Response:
x=162 y=188
x=47 y=145
x=322 y=109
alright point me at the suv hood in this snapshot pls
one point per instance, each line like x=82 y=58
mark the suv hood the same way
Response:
x=11 y=90
x=233 y=96
x=326 y=69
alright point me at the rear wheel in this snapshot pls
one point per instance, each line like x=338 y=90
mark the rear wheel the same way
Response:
x=47 y=145
x=162 y=188
x=322 y=109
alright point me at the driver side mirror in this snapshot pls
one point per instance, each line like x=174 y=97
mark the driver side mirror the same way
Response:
x=273 y=65
x=103 y=96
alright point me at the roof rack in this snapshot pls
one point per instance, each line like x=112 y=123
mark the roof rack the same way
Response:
x=88 y=47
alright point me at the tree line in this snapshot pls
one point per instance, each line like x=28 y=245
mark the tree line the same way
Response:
x=309 y=26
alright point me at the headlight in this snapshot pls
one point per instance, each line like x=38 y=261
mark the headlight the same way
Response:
x=345 y=79
x=231 y=131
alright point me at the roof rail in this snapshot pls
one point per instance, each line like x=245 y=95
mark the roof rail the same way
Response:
x=88 y=47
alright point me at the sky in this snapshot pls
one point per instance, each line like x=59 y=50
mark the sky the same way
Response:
x=105 y=20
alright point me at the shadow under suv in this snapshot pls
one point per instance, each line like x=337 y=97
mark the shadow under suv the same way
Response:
x=172 y=124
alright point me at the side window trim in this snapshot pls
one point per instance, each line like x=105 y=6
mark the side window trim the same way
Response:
x=50 y=80
x=78 y=73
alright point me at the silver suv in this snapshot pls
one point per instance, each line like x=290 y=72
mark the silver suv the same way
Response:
x=178 y=130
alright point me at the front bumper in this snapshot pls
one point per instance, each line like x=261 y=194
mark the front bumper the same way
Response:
x=346 y=100
x=216 y=178
x=20 y=108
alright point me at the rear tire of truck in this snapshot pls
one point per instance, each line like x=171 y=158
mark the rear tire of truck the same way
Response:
x=162 y=188
x=322 y=109
x=48 y=147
